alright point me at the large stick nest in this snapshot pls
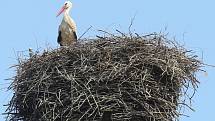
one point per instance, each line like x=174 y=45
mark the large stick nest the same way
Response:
x=133 y=78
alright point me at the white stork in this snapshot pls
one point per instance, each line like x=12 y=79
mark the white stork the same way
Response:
x=67 y=29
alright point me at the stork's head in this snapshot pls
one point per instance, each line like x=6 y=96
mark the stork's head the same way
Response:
x=66 y=7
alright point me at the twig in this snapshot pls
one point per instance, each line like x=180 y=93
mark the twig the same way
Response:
x=85 y=32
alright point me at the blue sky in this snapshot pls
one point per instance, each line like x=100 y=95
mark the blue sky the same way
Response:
x=29 y=23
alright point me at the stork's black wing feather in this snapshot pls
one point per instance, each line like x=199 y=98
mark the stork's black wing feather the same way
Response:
x=59 y=38
x=75 y=36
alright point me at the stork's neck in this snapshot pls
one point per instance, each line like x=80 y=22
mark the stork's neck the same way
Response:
x=67 y=11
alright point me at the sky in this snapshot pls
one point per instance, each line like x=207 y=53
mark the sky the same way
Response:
x=33 y=24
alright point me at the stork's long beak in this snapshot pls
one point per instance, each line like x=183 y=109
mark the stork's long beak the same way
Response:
x=61 y=11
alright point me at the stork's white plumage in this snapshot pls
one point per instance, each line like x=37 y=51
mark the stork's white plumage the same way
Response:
x=67 y=29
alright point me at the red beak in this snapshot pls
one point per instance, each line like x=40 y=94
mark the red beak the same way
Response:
x=61 y=11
